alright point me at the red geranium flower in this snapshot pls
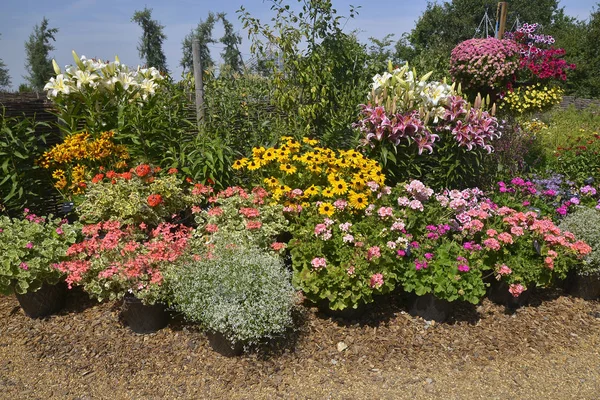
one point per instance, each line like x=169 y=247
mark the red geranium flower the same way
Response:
x=97 y=178
x=154 y=200
x=143 y=170
x=126 y=175
x=172 y=171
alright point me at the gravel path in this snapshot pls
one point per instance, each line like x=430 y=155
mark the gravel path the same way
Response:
x=549 y=350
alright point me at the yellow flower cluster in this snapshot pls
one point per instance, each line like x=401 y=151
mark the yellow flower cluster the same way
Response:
x=302 y=173
x=534 y=126
x=73 y=160
x=531 y=98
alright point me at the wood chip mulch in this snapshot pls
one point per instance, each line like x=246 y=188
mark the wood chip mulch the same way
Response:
x=547 y=350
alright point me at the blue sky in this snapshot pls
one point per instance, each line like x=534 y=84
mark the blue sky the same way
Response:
x=102 y=28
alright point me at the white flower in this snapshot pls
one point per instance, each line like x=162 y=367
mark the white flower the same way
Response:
x=85 y=78
x=58 y=85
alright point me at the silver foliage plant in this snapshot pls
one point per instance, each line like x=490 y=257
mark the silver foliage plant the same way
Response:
x=238 y=290
x=584 y=223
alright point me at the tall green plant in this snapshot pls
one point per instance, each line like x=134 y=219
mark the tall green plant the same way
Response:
x=320 y=87
x=22 y=182
x=150 y=46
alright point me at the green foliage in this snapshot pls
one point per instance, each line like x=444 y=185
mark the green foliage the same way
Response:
x=239 y=113
x=583 y=223
x=22 y=182
x=150 y=46
x=572 y=143
x=442 y=277
x=37 y=53
x=240 y=291
x=128 y=199
x=319 y=88
x=30 y=246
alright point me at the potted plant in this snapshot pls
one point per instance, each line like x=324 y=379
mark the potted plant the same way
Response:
x=119 y=261
x=239 y=293
x=344 y=251
x=30 y=246
x=583 y=279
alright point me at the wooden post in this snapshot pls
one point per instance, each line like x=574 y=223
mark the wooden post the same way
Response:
x=198 y=81
x=501 y=19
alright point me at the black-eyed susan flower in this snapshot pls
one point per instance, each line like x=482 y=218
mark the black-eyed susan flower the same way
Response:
x=328 y=192
x=340 y=187
x=288 y=168
x=269 y=155
x=253 y=165
x=311 y=191
x=271 y=182
x=358 y=201
x=326 y=209
x=239 y=164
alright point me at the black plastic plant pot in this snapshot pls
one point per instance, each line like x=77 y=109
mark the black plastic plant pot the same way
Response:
x=49 y=299
x=224 y=346
x=499 y=294
x=586 y=287
x=430 y=308
x=143 y=318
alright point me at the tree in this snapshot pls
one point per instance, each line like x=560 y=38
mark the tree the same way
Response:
x=37 y=50
x=203 y=33
x=150 y=46
x=4 y=76
x=380 y=51
x=231 y=55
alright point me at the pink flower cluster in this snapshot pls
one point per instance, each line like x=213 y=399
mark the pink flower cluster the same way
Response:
x=112 y=251
x=376 y=126
x=487 y=62
x=471 y=127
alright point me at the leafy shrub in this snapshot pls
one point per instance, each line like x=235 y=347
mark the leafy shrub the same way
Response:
x=237 y=290
x=30 y=246
x=143 y=195
x=583 y=223
x=22 y=142
x=116 y=259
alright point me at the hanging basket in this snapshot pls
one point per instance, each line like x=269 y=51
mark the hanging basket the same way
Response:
x=143 y=318
x=49 y=299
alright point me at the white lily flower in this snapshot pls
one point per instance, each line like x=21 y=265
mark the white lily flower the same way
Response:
x=85 y=78
x=57 y=85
